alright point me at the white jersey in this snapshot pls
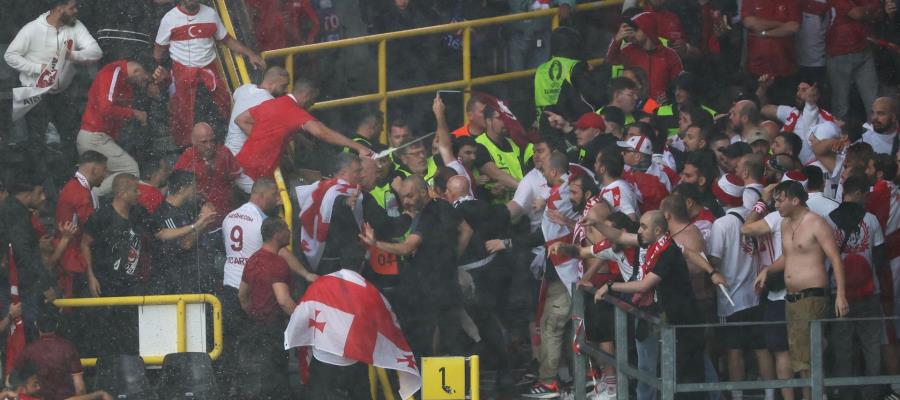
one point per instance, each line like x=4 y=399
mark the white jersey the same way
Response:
x=621 y=196
x=861 y=243
x=770 y=248
x=821 y=205
x=242 y=231
x=832 y=182
x=191 y=37
x=882 y=143
x=532 y=186
x=752 y=194
x=737 y=261
x=245 y=98
x=801 y=123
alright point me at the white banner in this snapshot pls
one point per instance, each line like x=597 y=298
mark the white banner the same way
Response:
x=26 y=98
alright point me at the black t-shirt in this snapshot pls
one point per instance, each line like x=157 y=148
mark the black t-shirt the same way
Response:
x=171 y=263
x=434 y=265
x=676 y=298
x=116 y=248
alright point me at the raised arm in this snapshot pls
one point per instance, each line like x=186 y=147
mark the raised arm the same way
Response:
x=442 y=131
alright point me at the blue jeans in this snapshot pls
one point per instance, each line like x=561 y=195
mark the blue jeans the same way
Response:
x=849 y=69
x=648 y=360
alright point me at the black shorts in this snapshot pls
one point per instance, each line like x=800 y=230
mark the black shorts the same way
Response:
x=599 y=320
x=776 y=335
x=744 y=337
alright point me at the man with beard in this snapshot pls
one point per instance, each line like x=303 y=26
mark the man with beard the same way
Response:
x=51 y=41
x=108 y=109
x=216 y=170
x=744 y=119
x=609 y=167
x=499 y=158
x=799 y=120
x=882 y=131
x=663 y=276
x=430 y=296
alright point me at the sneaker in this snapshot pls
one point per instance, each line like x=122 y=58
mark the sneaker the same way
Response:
x=892 y=396
x=543 y=391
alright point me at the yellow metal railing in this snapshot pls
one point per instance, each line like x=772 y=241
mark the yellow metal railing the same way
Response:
x=179 y=300
x=467 y=81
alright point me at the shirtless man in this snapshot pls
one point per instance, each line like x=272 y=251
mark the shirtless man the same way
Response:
x=806 y=240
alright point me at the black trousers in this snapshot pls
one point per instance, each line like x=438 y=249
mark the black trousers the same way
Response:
x=64 y=112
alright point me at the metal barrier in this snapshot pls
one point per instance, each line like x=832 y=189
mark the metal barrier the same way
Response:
x=467 y=81
x=666 y=383
x=179 y=300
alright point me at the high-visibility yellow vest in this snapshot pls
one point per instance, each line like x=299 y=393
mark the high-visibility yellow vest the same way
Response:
x=507 y=161
x=669 y=111
x=549 y=78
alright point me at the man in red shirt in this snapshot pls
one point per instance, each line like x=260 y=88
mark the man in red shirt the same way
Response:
x=643 y=49
x=154 y=174
x=265 y=295
x=76 y=203
x=771 y=26
x=109 y=107
x=57 y=361
x=668 y=26
x=849 y=59
x=269 y=127
x=215 y=168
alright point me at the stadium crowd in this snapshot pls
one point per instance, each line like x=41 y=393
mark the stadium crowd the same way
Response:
x=728 y=162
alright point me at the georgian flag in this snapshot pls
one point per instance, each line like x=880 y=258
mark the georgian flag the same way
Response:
x=316 y=204
x=568 y=269
x=345 y=317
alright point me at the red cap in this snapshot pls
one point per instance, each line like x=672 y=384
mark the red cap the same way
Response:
x=590 y=120
x=646 y=22
x=729 y=190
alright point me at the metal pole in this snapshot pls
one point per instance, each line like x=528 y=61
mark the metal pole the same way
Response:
x=474 y=378
x=467 y=69
x=816 y=374
x=289 y=66
x=622 y=382
x=578 y=360
x=667 y=354
x=180 y=334
x=382 y=88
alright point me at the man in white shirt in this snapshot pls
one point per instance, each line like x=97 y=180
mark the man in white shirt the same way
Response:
x=189 y=34
x=882 y=131
x=50 y=46
x=274 y=84
x=733 y=255
x=751 y=170
x=616 y=191
x=821 y=140
x=800 y=121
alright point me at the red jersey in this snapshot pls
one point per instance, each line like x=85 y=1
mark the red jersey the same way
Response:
x=651 y=189
x=662 y=64
x=846 y=35
x=109 y=100
x=275 y=121
x=214 y=178
x=263 y=269
x=56 y=360
x=668 y=25
x=771 y=55
x=75 y=205
x=149 y=197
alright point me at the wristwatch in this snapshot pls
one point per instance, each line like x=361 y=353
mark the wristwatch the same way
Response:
x=763 y=33
x=609 y=285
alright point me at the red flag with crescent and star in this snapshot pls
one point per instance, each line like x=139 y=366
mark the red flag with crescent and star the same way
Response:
x=342 y=318
x=16 y=341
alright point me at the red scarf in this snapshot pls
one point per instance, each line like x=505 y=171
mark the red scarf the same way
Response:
x=653 y=252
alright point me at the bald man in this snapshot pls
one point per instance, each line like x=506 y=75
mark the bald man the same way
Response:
x=744 y=119
x=216 y=170
x=881 y=130
x=274 y=84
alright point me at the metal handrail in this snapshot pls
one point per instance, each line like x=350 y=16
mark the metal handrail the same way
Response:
x=179 y=300
x=666 y=382
x=382 y=39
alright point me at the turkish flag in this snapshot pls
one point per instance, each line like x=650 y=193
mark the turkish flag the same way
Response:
x=16 y=341
x=345 y=317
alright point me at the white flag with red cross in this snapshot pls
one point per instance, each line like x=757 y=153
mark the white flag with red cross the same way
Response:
x=344 y=315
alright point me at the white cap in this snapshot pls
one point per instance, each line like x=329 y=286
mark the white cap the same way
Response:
x=825 y=130
x=640 y=144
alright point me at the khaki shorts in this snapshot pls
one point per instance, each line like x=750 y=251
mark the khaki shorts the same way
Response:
x=798 y=314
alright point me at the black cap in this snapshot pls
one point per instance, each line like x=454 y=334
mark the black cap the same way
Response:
x=613 y=114
x=737 y=149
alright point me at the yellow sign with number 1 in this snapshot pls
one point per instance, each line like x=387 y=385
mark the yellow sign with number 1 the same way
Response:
x=443 y=378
